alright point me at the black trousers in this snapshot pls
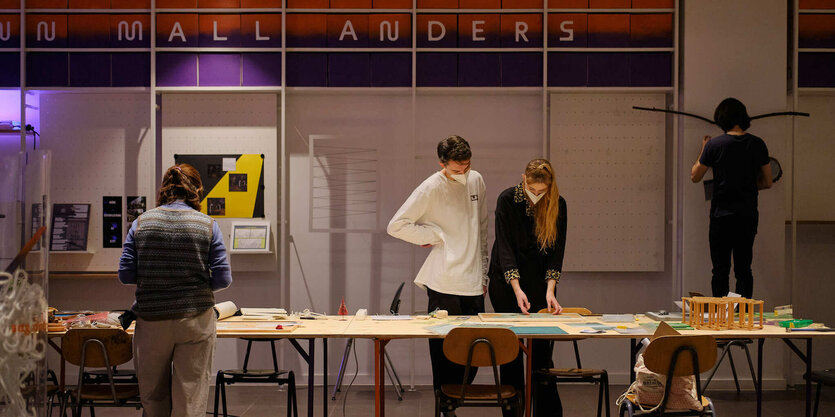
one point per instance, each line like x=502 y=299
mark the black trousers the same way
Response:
x=445 y=371
x=732 y=237
x=546 y=398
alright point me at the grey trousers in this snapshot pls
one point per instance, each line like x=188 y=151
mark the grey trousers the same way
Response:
x=173 y=361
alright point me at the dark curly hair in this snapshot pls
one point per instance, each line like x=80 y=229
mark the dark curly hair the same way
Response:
x=454 y=148
x=181 y=182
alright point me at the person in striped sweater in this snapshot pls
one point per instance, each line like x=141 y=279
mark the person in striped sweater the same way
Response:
x=175 y=256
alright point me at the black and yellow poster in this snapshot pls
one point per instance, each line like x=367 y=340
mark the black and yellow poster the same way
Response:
x=233 y=185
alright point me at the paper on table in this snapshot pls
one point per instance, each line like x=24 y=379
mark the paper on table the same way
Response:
x=230 y=164
x=225 y=309
x=250 y=311
x=390 y=317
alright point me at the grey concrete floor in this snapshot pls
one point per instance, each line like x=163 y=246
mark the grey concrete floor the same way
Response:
x=578 y=400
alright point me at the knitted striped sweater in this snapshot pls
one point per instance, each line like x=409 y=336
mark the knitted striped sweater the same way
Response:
x=172 y=265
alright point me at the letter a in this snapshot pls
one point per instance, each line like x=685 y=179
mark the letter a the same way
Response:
x=348 y=29
x=177 y=30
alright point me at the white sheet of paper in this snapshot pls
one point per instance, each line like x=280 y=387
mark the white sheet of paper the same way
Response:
x=229 y=164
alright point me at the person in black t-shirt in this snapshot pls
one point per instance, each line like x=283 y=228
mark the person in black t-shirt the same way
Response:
x=740 y=168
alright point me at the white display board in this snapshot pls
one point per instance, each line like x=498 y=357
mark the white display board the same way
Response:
x=101 y=147
x=609 y=162
x=228 y=124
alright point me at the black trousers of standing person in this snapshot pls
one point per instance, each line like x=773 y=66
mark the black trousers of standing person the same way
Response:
x=445 y=371
x=732 y=237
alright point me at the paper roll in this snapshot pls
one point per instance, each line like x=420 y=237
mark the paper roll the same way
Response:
x=225 y=309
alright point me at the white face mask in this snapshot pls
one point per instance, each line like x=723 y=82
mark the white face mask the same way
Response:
x=534 y=198
x=462 y=178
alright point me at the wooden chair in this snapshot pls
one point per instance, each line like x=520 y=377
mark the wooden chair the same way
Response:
x=257 y=376
x=98 y=348
x=472 y=346
x=673 y=356
x=580 y=374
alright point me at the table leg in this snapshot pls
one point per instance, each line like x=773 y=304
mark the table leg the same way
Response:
x=759 y=387
x=634 y=345
x=325 y=376
x=809 y=377
x=310 y=358
x=380 y=377
x=311 y=374
x=526 y=348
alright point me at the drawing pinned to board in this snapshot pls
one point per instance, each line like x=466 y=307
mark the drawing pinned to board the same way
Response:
x=343 y=185
x=69 y=227
x=233 y=185
x=136 y=206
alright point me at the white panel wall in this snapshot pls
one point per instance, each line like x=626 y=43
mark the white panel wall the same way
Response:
x=736 y=49
x=814 y=149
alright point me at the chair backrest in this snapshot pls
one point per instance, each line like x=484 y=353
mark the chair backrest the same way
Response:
x=117 y=342
x=578 y=310
x=660 y=351
x=459 y=340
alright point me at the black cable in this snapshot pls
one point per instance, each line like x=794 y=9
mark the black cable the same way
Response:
x=356 y=371
x=30 y=128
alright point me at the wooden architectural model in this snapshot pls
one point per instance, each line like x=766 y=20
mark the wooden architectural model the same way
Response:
x=717 y=313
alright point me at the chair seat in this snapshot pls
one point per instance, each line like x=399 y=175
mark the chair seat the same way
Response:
x=825 y=377
x=573 y=372
x=634 y=400
x=254 y=373
x=478 y=392
x=102 y=392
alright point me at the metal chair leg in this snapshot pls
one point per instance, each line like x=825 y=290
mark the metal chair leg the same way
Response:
x=817 y=399
x=338 y=386
x=394 y=371
x=217 y=391
x=599 y=398
x=604 y=380
x=396 y=391
x=223 y=397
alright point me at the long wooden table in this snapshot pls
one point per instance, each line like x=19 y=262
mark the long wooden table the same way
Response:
x=382 y=332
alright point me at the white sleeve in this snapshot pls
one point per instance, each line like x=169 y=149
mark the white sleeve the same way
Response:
x=404 y=224
x=482 y=230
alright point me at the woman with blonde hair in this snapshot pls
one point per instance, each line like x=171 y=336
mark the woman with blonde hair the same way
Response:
x=526 y=263
x=175 y=256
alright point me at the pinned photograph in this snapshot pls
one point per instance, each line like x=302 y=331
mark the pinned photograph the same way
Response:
x=216 y=207
x=237 y=182
x=215 y=171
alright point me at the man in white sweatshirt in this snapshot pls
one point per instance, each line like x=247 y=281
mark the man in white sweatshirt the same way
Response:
x=448 y=212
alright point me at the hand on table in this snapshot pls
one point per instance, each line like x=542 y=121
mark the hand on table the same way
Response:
x=553 y=304
x=522 y=302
